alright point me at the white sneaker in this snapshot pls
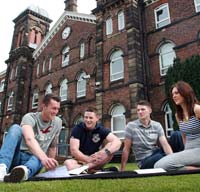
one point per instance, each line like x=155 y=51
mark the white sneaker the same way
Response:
x=17 y=174
x=2 y=171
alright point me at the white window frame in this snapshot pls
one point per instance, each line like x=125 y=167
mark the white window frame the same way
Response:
x=82 y=50
x=44 y=66
x=35 y=99
x=166 y=57
x=2 y=84
x=109 y=26
x=165 y=21
x=121 y=20
x=10 y=101
x=81 y=86
x=116 y=59
x=63 y=90
x=50 y=63
x=168 y=120
x=48 y=89
x=65 y=56
x=117 y=115
x=38 y=70
x=197 y=5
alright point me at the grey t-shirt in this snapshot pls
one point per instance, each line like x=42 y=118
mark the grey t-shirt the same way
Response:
x=144 y=140
x=45 y=132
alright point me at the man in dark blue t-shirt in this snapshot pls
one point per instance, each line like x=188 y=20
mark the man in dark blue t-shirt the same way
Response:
x=91 y=143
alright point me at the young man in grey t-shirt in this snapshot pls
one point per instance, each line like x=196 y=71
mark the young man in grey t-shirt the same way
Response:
x=32 y=145
x=144 y=135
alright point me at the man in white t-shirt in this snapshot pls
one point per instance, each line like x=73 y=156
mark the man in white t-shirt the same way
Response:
x=31 y=145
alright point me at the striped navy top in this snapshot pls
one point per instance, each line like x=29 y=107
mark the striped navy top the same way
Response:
x=191 y=129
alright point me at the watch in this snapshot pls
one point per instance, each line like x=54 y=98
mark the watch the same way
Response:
x=108 y=152
x=66 y=32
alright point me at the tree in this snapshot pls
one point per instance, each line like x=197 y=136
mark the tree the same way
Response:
x=189 y=71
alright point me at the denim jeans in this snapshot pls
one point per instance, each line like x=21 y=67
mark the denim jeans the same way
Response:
x=11 y=155
x=176 y=144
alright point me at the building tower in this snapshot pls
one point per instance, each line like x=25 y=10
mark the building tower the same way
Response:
x=30 y=28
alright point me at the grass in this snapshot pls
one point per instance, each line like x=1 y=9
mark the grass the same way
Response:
x=147 y=184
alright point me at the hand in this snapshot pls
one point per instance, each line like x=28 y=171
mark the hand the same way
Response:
x=50 y=163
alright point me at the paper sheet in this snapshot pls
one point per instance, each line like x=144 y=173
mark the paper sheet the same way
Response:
x=147 y=171
x=56 y=173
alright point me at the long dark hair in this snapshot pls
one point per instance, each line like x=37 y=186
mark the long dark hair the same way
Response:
x=189 y=96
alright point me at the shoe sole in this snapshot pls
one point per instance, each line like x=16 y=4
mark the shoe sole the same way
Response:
x=16 y=175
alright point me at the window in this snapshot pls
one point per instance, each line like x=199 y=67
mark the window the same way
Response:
x=78 y=119
x=38 y=70
x=168 y=120
x=197 y=5
x=162 y=16
x=48 y=89
x=118 y=121
x=63 y=90
x=44 y=66
x=81 y=86
x=116 y=66
x=2 y=84
x=65 y=57
x=11 y=74
x=35 y=99
x=10 y=101
x=82 y=50
x=121 y=23
x=166 y=57
x=50 y=63
x=109 y=27
x=62 y=143
x=16 y=71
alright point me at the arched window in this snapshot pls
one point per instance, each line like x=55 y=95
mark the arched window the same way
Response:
x=78 y=119
x=166 y=57
x=121 y=21
x=48 y=89
x=81 y=85
x=35 y=98
x=63 y=90
x=65 y=56
x=109 y=26
x=82 y=50
x=118 y=121
x=168 y=119
x=116 y=66
x=10 y=101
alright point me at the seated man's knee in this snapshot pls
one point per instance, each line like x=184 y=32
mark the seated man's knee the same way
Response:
x=15 y=130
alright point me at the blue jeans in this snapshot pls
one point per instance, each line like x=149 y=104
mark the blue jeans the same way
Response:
x=176 y=144
x=11 y=155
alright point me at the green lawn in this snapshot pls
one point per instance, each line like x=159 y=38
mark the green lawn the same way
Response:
x=153 y=184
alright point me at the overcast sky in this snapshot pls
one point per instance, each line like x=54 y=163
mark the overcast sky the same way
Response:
x=10 y=9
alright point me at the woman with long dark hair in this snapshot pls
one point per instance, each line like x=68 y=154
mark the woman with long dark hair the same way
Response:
x=188 y=117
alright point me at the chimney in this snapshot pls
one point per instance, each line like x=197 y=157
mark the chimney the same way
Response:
x=71 y=5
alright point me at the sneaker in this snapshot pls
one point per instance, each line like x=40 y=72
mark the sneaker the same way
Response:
x=113 y=169
x=2 y=171
x=17 y=174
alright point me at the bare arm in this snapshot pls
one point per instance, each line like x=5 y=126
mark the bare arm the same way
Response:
x=125 y=153
x=74 y=149
x=113 y=143
x=35 y=148
x=52 y=148
x=165 y=145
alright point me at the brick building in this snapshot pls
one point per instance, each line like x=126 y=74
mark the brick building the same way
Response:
x=110 y=59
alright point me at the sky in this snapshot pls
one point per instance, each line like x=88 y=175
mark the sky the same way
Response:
x=10 y=9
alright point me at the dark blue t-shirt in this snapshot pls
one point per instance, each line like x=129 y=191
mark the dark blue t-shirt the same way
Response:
x=90 y=140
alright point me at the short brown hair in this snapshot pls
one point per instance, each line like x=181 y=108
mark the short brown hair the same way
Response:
x=144 y=102
x=91 y=109
x=47 y=98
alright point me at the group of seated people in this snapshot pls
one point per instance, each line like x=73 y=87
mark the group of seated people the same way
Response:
x=30 y=146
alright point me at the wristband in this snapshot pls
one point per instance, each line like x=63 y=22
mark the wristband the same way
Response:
x=108 y=152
